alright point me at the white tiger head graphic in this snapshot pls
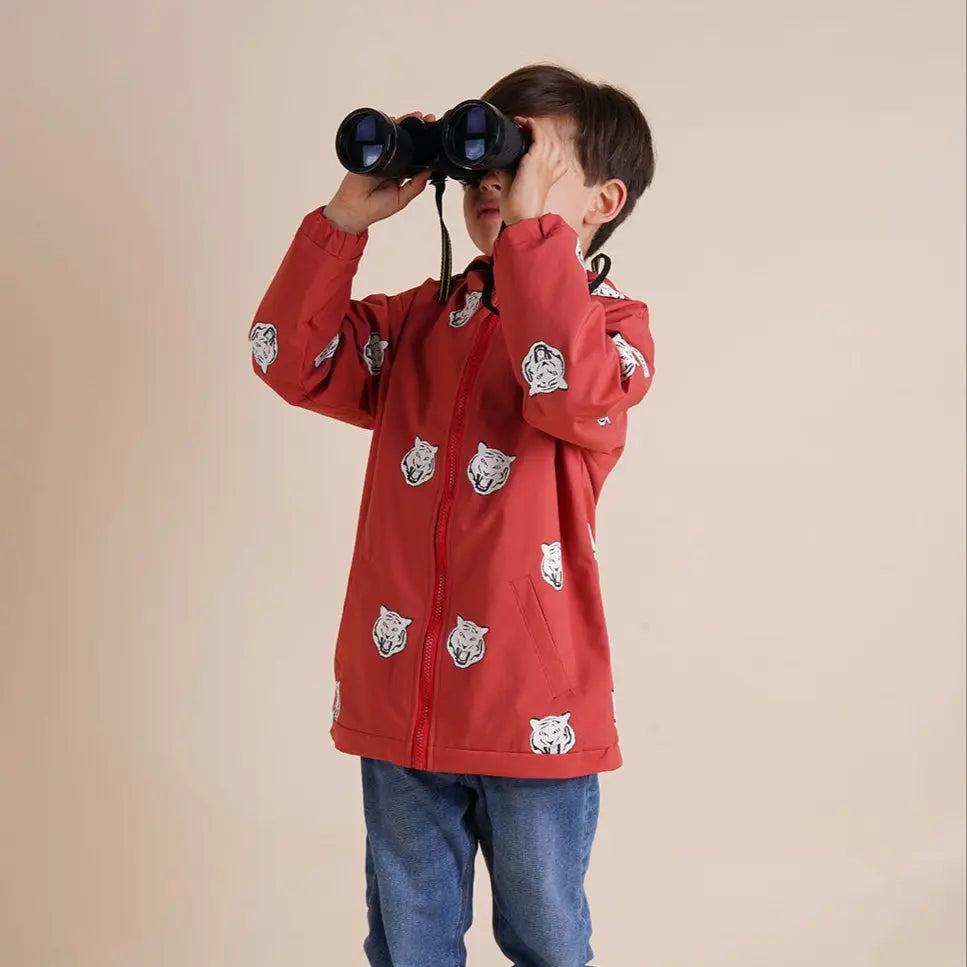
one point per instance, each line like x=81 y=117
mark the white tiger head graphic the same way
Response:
x=552 y=735
x=579 y=252
x=631 y=358
x=374 y=353
x=336 y=702
x=264 y=338
x=328 y=352
x=543 y=368
x=552 y=568
x=604 y=420
x=466 y=642
x=460 y=317
x=419 y=463
x=608 y=290
x=489 y=469
x=389 y=632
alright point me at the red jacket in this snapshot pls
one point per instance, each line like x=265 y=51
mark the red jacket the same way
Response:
x=473 y=638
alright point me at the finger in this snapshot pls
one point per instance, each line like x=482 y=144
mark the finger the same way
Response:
x=414 y=186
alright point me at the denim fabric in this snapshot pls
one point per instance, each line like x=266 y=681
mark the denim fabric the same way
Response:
x=422 y=833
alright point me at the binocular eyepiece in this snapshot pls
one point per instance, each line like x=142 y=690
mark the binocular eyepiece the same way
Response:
x=469 y=140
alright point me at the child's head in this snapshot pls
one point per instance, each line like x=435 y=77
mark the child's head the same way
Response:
x=608 y=142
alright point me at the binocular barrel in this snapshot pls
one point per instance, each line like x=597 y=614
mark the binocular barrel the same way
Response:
x=470 y=139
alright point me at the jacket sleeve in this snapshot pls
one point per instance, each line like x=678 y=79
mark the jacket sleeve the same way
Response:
x=582 y=360
x=311 y=342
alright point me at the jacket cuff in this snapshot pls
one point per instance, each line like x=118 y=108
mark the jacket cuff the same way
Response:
x=530 y=231
x=334 y=241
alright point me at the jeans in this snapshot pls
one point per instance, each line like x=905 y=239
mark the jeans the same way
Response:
x=422 y=832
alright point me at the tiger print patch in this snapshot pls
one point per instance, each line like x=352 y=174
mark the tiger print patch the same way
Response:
x=489 y=469
x=419 y=464
x=389 y=632
x=264 y=339
x=374 y=353
x=460 y=317
x=552 y=735
x=465 y=643
x=543 y=368
x=328 y=352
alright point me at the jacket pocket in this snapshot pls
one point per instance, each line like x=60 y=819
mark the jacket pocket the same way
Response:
x=558 y=680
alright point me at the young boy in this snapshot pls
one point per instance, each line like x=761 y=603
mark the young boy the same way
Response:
x=472 y=666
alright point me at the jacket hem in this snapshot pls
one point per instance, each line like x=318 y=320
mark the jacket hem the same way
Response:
x=512 y=765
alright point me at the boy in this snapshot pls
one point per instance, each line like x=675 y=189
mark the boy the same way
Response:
x=472 y=666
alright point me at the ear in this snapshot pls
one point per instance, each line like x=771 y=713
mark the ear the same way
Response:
x=484 y=631
x=511 y=459
x=383 y=611
x=481 y=447
x=566 y=717
x=606 y=202
x=418 y=441
x=545 y=547
x=535 y=723
x=460 y=620
x=407 y=622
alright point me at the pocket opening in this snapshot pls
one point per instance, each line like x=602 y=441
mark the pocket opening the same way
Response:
x=538 y=630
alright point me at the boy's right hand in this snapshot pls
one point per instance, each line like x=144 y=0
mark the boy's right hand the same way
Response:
x=362 y=200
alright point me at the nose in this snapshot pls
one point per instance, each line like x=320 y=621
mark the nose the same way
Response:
x=490 y=182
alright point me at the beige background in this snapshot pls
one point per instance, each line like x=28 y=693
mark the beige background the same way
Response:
x=782 y=546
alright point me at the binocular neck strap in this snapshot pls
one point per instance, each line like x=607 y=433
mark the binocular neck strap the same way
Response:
x=446 y=249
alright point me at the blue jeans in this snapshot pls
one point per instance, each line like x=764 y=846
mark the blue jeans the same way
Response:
x=422 y=832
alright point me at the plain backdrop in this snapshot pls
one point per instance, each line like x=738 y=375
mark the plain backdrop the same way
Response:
x=782 y=545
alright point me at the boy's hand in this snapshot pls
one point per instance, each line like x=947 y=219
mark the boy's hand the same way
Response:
x=544 y=163
x=362 y=200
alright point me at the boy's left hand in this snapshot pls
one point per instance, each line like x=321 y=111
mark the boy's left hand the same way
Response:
x=544 y=163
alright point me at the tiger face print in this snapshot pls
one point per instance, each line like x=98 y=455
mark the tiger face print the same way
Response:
x=264 y=338
x=489 y=469
x=543 y=368
x=328 y=352
x=389 y=632
x=374 y=353
x=419 y=463
x=631 y=358
x=466 y=642
x=552 y=568
x=460 y=317
x=607 y=290
x=552 y=735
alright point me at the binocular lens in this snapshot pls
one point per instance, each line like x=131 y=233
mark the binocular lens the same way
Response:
x=472 y=134
x=368 y=143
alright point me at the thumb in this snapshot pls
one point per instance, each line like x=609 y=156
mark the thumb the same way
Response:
x=414 y=186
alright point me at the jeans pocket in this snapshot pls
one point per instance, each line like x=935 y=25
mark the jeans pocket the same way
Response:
x=539 y=633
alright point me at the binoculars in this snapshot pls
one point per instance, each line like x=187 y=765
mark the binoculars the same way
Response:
x=469 y=140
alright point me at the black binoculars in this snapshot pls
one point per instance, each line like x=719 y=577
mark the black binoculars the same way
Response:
x=469 y=140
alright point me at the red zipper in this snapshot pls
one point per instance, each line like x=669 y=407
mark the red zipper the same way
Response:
x=421 y=733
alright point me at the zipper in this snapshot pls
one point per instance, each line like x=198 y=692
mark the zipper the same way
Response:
x=421 y=733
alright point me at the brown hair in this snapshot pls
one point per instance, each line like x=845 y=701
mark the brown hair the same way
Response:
x=613 y=137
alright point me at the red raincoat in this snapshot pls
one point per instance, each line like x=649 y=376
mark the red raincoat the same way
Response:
x=473 y=637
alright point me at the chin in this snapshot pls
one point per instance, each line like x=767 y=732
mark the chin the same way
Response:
x=485 y=236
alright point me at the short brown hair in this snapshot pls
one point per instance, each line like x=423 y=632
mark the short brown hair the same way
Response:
x=613 y=137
